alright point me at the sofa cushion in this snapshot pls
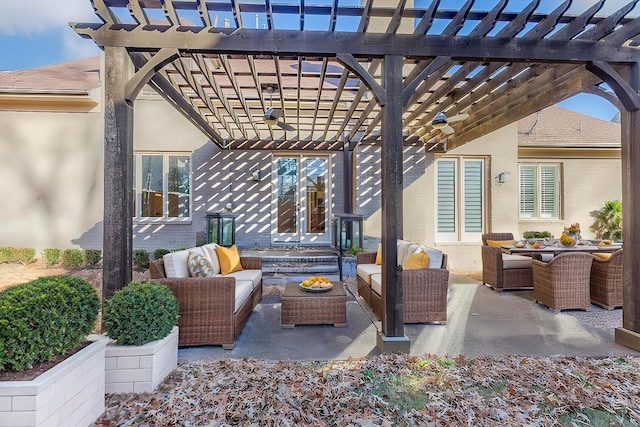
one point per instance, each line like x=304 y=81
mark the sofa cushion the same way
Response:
x=435 y=257
x=376 y=283
x=416 y=260
x=210 y=252
x=253 y=276
x=364 y=271
x=510 y=261
x=243 y=290
x=602 y=255
x=199 y=265
x=379 y=254
x=175 y=264
x=403 y=247
x=229 y=259
x=498 y=243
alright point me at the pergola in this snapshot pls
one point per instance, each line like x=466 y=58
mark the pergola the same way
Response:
x=371 y=72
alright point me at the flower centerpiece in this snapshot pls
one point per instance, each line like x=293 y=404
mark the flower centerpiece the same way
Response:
x=570 y=235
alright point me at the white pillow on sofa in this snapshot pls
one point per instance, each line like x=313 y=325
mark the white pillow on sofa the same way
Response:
x=175 y=264
x=210 y=252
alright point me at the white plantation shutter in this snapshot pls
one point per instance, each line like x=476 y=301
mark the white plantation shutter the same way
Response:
x=473 y=196
x=446 y=221
x=549 y=191
x=528 y=180
x=540 y=191
x=460 y=199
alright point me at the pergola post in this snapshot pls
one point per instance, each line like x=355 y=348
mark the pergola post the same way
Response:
x=118 y=173
x=629 y=334
x=392 y=338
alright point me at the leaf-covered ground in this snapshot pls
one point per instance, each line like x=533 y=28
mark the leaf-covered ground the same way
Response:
x=390 y=390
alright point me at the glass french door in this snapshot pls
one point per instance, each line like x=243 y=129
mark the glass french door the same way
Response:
x=301 y=200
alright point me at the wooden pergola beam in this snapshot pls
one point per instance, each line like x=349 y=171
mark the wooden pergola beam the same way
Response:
x=371 y=45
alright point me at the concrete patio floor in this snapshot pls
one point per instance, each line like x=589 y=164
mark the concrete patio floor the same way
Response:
x=481 y=322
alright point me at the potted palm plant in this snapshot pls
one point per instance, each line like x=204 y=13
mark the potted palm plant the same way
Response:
x=608 y=221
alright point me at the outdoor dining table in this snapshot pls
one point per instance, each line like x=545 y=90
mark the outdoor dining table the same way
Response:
x=557 y=248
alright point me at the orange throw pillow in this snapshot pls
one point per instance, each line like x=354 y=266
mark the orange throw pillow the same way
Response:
x=229 y=259
x=499 y=243
x=417 y=260
x=379 y=254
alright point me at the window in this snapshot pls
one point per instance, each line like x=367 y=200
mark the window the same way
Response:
x=459 y=199
x=162 y=186
x=540 y=191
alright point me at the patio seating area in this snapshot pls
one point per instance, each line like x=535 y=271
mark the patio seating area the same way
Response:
x=480 y=322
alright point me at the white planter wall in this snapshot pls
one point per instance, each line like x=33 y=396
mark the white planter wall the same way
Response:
x=139 y=369
x=69 y=394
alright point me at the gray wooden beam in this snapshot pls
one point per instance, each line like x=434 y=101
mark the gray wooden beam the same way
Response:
x=629 y=334
x=118 y=173
x=373 y=45
x=392 y=212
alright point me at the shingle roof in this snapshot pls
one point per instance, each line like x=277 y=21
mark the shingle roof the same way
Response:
x=558 y=126
x=83 y=74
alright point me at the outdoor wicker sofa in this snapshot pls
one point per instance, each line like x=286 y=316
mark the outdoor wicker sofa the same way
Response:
x=424 y=289
x=213 y=310
x=606 y=281
x=563 y=282
x=504 y=271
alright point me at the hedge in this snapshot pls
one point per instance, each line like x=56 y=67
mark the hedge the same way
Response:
x=45 y=318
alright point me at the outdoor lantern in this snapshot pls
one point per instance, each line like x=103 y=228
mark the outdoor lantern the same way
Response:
x=221 y=229
x=347 y=232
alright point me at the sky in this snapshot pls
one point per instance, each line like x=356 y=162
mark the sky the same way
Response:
x=36 y=32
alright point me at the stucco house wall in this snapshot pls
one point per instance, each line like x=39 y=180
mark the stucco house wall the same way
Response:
x=51 y=168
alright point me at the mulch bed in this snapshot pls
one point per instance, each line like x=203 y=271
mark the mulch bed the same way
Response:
x=390 y=390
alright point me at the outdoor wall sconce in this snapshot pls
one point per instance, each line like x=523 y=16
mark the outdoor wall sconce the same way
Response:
x=255 y=175
x=503 y=178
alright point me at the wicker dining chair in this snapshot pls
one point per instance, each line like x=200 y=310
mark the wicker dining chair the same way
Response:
x=563 y=282
x=494 y=273
x=606 y=281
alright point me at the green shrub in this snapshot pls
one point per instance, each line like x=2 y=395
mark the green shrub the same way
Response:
x=159 y=253
x=45 y=318
x=140 y=313
x=92 y=256
x=11 y=254
x=536 y=234
x=141 y=258
x=51 y=256
x=72 y=258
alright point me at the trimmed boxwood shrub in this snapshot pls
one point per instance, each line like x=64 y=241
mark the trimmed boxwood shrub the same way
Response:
x=51 y=256
x=72 y=258
x=139 y=313
x=159 y=253
x=45 y=318
x=11 y=254
x=92 y=256
x=141 y=258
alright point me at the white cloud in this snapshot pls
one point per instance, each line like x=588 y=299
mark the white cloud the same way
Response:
x=76 y=47
x=28 y=17
x=608 y=8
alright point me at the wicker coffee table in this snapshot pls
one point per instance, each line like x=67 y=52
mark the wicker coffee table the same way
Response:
x=313 y=308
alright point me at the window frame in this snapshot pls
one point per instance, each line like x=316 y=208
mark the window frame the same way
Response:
x=538 y=189
x=137 y=188
x=459 y=234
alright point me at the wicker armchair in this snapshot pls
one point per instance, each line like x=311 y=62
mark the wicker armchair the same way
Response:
x=563 y=282
x=424 y=292
x=606 y=281
x=493 y=272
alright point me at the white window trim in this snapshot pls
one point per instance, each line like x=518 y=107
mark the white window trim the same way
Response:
x=538 y=191
x=459 y=235
x=164 y=219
